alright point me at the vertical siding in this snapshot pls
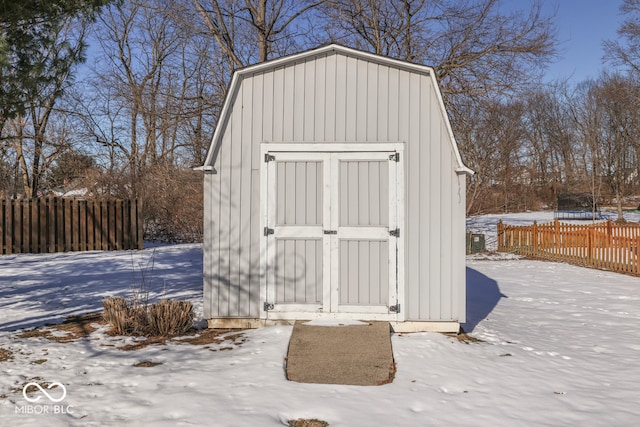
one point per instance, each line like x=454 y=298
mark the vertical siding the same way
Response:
x=330 y=98
x=342 y=82
x=381 y=122
x=278 y=105
x=258 y=116
x=458 y=273
x=444 y=208
x=417 y=255
x=267 y=108
x=360 y=102
x=298 y=271
x=336 y=98
x=309 y=101
x=372 y=103
x=299 y=193
x=299 y=99
x=244 y=165
x=254 y=250
x=236 y=209
x=351 y=107
x=318 y=120
x=397 y=112
x=211 y=221
x=364 y=193
x=433 y=260
x=432 y=206
x=298 y=261
x=364 y=272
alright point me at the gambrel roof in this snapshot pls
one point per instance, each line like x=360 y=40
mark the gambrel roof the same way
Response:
x=310 y=55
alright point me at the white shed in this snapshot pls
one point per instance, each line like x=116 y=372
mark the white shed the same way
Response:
x=334 y=188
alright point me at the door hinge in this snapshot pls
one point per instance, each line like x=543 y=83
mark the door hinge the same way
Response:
x=394 y=233
x=267 y=306
x=269 y=158
x=268 y=231
x=394 y=308
x=394 y=157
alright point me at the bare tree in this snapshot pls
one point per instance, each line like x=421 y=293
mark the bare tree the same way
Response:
x=491 y=133
x=474 y=47
x=551 y=135
x=611 y=124
x=148 y=109
x=250 y=31
x=391 y=28
x=155 y=78
x=625 y=50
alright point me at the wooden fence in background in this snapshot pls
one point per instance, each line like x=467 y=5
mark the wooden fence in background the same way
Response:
x=47 y=225
x=604 y=245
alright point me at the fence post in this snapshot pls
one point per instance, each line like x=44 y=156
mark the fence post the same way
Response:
x=139 y=232
x=556 y=237
x=534 y=237
x=500 y=236
x=637 y=251
x=3 y=229
x=590 y=243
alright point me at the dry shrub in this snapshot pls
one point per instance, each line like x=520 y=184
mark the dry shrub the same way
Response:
x=169 y=318
x=117 y=313
x=166 y=318
x=170 y=195
x=172 y=206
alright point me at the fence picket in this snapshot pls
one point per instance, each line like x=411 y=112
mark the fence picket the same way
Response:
x=47 y=225
x=607 y=245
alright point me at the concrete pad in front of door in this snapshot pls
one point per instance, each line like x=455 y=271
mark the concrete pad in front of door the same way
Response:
x=352 y=354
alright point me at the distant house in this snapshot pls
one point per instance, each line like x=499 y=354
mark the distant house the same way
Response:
x=334 y=188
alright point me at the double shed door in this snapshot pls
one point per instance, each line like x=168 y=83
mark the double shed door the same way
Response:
x=332 y=234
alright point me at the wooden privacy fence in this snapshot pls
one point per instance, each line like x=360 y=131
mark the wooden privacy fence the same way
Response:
x=604 y=245
x=48 y=225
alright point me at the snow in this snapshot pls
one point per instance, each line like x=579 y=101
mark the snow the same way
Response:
x=559 y=346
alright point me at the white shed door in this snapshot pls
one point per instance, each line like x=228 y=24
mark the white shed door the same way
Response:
x=331 y=239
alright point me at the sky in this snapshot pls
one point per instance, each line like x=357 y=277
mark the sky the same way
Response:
x=582 y=26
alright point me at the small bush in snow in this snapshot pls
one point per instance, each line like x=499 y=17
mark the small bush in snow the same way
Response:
x=169 y=318
x=166 y=318
x=117 y=313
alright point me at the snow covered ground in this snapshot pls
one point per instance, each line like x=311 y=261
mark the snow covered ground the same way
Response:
x=560 y=346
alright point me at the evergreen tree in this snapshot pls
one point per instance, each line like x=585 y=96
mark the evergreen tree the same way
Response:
x=29 y=31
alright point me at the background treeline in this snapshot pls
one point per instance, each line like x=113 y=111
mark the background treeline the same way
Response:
x=103 y=98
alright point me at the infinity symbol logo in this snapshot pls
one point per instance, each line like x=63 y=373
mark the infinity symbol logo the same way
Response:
x=35 y=399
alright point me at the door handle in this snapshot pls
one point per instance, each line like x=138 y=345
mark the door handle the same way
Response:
x=330 y=232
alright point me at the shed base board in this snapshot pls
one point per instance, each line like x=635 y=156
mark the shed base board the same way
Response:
x=245 y=323
x=250 y=323
x=444 y=327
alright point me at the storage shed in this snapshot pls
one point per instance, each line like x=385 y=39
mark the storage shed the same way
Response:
x=334 y=188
